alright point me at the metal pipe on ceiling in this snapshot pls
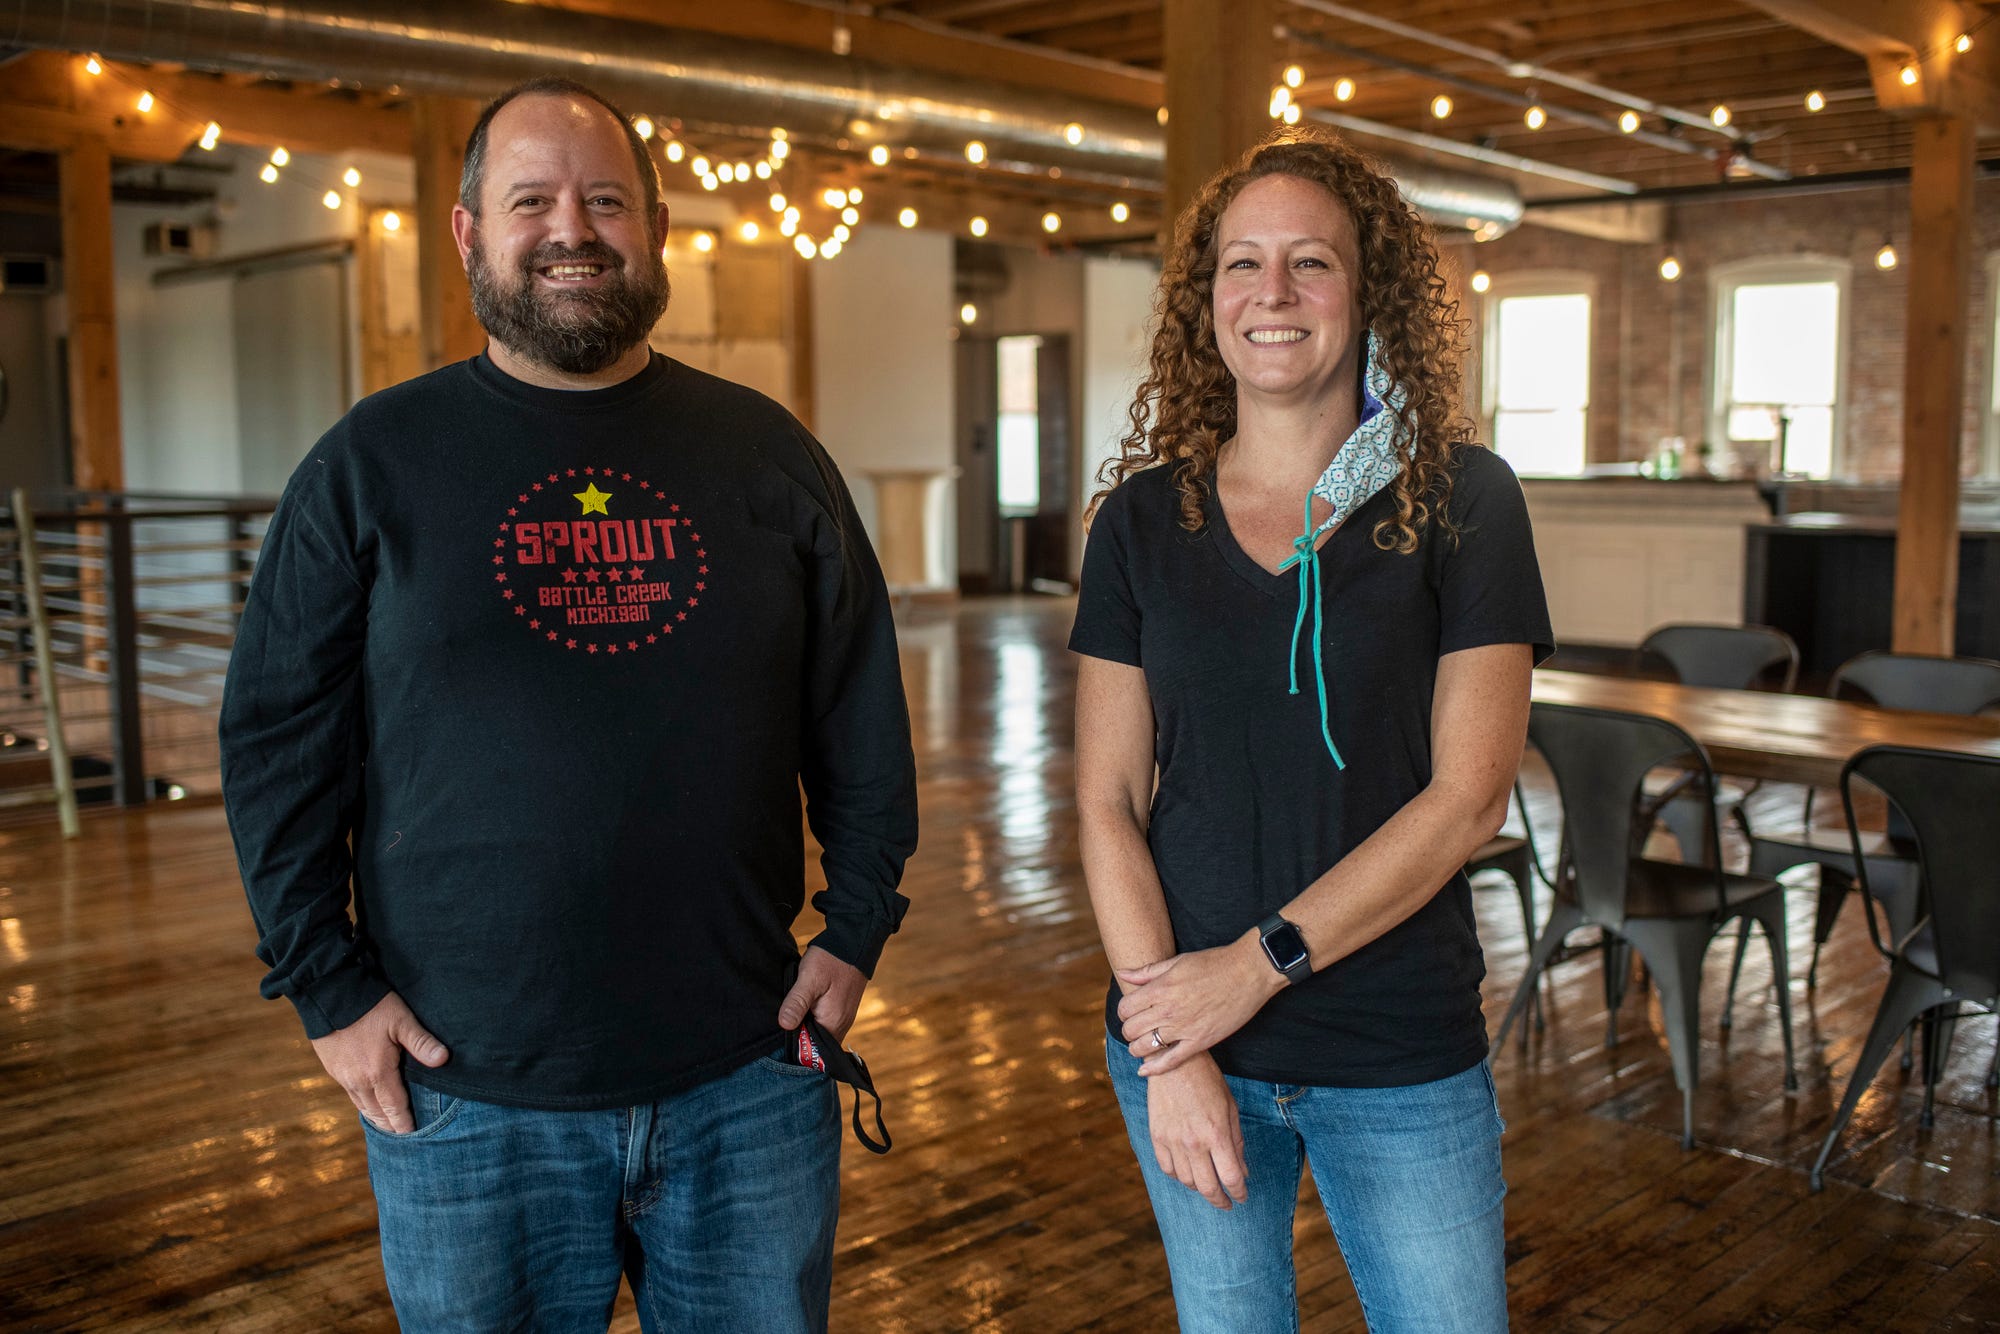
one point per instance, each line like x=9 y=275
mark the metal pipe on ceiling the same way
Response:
x=475 y=48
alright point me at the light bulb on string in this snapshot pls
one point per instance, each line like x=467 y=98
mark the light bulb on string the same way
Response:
x=1719 y=115
x=211 y=135
x=699 y=166
x=269 y=175
x=392 y=221
x=644 y=125
x=777 y=203
x=977 y=226
x=804 y=245
x=1292 y=112
x=1294 y=76
x=1073 y=132
x=1281 y=97
x=749 y=230
x=1051 y=222
x=879 y=155
x=675 y=150
x=853 y=194
x=331 y=199
x=279 y=157
x=1628 y=121
x=93 y=66
x=850 y=215
x=1440 y=106
x=1885 y=258
x=1670 y=269
x=1536 y=118
x=829 y=247
x=1963 y=44
x=1815 y=100
x=1120 y=211
x=975 y=152
x=1481 y=281
x=710 y=181
x=907 y=218
x=968 y=313
x=145 y=102
x=834 y=198
x=703 y=241
x=840 y=232
x=351 y=178
x=1343 y=90
x=763 y=170
x=1908 y=74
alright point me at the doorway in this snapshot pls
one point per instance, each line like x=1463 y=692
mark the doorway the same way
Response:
x=1015 y=494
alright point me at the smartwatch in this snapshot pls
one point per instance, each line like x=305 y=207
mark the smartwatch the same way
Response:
x=1285 y=946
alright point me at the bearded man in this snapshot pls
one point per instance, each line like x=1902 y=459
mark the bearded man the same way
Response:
x=540 y=651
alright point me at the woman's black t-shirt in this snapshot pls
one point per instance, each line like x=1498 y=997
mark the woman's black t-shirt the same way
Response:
x=1250 y=809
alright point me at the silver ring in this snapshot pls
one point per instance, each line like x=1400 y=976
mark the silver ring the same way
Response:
x=1158 y=1041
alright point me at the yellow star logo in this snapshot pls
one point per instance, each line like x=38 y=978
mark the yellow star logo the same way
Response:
x=593 y=500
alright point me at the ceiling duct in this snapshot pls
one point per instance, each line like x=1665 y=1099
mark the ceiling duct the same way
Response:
x=475 y=48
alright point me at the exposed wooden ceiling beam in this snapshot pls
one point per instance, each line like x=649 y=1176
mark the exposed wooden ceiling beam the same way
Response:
x=1915 y=34
x=915 y=44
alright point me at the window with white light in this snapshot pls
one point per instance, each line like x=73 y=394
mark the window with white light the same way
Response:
x=1020 y=442
x=1779 y=362
x=1536 y=356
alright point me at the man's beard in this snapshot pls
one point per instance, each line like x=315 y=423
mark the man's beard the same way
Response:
x=577 y=332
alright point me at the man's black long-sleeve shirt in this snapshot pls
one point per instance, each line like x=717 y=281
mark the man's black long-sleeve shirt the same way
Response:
x=538 y=676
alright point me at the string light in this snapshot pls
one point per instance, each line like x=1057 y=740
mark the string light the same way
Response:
x=763 y=170
x=1119 y=211
x=977 y=226
x=1481 y=281
x=1292 y=114
x=269 y=175
x=211 y=135
x=1628 y=121
x=840 y=232
x=351 y=178
x=789 y=224
x=780 y=149
x=1885 y=258
x=779 y=134
x=1440 y=106
x=1719 y=115
x=1281 y=97
x=726 y=172
x=145 y=102
x=777 y=203
x=749 y=230
x=703 y=241
x=1536 y=118
x=1052 y=222
x=93 y=65
x=1815 y=101
x=675 y=150
x=804 y=245
x=853 y=194
x=644 y=125
x=1670 y=269
x=1294 y=76
x=908 y=217
x=710 y=181
x=879 y=155
x=279 y=157
x=392 y=221
x=829 y=247
x=1909 y=76
x=699 y=166
x=331 y=199
x=834 y=198
x=975 y=152
x=850 y=215
x=1963 y=44
x=1074 y=133
x=1343 y=90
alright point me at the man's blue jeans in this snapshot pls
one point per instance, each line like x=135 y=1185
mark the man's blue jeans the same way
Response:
x=719 y=1203
x=1410 y=1181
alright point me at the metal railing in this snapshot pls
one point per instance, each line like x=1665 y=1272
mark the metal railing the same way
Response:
x=143 y=595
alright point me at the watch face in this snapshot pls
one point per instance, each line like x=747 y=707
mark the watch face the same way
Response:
x=1286 y=946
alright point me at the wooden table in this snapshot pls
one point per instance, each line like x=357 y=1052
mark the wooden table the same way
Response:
x=1787 y=738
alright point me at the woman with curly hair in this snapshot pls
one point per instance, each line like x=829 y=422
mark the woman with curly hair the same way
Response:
x=1310 y=604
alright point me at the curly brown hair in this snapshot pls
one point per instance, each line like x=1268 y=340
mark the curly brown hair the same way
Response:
x=1185 y=408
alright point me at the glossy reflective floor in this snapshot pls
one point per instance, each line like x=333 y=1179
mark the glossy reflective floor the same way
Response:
x=171 y=1156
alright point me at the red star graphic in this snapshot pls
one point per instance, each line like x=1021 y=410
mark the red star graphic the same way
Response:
x=645 y=485
x=513 y=511
x=508 y=593
x=668 y=629
x=589 y=471
x=499 y=541
x=700 y=587
x=591 y=648
x=552 y=477
x=500 y=578
x=569 y=643
x=632 y=644
x=569 y=576
x=652 y=639
x=522 y=498
x=697 y=536
x=679 y=616
x=504 y=526
x=612 y=649
x=677 y=508
x=534 y=625
x=702 y=570
x=625 y=476
x=702 y=555
x=569 y=472
x=661 y=495
x=552 y=639
x=520 y=610
x=590 y=576
x=616 y=574
x=634 y=573
x=694 y=602
x=499 y=560
x=536 y=487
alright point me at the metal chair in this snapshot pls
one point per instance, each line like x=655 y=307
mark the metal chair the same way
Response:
x=1667 y=911
x=1891 y=681
x=1521 y=861
x=1721 y=657
x=1951 y=954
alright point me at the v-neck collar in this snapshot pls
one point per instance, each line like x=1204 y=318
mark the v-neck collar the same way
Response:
x=1245 y=565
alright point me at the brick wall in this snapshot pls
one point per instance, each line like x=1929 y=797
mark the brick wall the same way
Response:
x=1654 y=342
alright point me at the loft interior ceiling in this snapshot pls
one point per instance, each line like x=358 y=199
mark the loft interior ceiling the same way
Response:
x=1689 y=54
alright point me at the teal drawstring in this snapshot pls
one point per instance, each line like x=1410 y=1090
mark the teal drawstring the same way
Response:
x=1305 y=554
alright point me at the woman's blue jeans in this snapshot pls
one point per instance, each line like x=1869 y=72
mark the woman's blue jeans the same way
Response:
x=718 y=1202
x=1410 y=1181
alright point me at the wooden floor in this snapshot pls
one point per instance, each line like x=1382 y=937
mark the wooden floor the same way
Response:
x=171 y=1156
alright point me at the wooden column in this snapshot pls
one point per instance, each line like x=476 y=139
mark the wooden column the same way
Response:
x=1934 y=384
x=96 y=445
x=1219 y=66
x=438 y=130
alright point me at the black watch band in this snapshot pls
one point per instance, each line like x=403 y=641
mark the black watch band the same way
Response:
x=1285 y=946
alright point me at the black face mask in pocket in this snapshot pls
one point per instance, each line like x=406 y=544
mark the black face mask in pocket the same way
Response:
x=817 y=1049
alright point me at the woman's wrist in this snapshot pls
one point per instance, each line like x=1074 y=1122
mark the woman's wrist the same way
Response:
x=1260 y=974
